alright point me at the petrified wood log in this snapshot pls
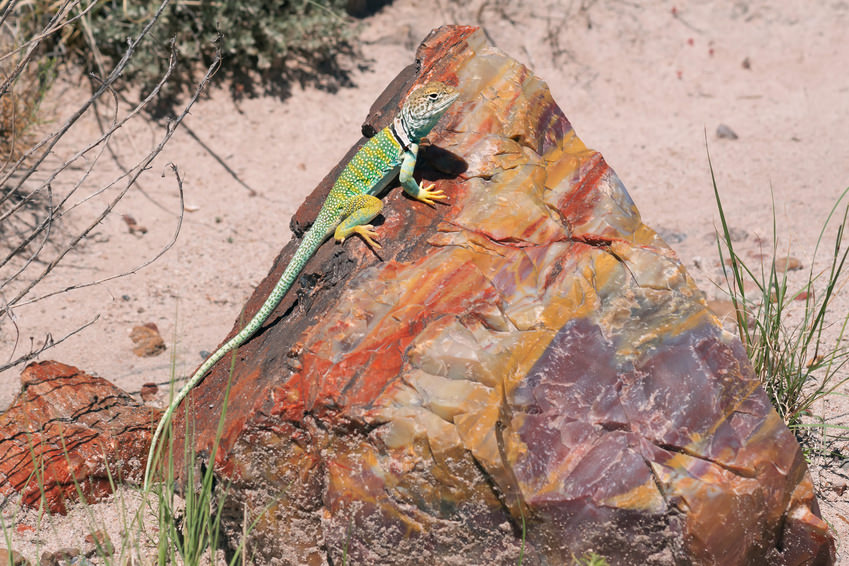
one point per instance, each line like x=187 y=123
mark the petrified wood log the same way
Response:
x=70 y=431
x=527 y=370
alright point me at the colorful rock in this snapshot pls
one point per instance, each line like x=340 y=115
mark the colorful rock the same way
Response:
x=527 y=371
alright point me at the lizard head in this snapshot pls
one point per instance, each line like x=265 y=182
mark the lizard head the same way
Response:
x=425 y=106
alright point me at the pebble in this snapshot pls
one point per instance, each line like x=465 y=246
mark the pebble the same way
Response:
x=148 y=392
x=12 y=558
x=60 y=557
x=724 y=132
x=133 y=226
x=787 y=264
x=671 y=236
x=738 y=234
x=101 y=539
x=147 y=340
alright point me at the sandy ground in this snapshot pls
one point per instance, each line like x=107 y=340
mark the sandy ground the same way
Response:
x=641 y=84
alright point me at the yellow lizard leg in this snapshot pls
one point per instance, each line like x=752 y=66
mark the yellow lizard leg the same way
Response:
x=359 y=211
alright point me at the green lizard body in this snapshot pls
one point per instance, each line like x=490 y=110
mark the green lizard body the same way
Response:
x=351 y=204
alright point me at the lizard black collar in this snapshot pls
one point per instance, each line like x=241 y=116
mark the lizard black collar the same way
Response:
x=399 y=132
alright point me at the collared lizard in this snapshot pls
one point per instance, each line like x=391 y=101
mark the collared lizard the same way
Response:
x=351 y=204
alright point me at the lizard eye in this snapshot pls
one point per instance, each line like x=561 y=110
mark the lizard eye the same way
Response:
x=433 y=96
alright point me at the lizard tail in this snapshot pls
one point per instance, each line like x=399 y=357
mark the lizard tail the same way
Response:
x=314 y=237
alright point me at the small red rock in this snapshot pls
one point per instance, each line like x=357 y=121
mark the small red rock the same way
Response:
x=98 y=543
x=149 y=391
x=60 y=557
x=133 y=225
x=12 y=558
x=148 y=341
x=68 y=424
x=788 y=263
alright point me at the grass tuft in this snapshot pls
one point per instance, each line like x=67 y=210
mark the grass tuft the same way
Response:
x=157 y=526
x=795 y=363
x=590 y=559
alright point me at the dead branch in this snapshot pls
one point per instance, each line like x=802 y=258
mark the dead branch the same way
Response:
x=53 y=208
x=48 y=343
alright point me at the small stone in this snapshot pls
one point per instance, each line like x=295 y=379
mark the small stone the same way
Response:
x=746 y=64
x=125 y=297
x=133 y=226
x=12 y=558
x=787 y=264
x=738 y=234
x=149 y=391
x=725 y=132
x=147 y=340
x=671 y=236
x=802 y=296
x=99 y=544
x=60 y=557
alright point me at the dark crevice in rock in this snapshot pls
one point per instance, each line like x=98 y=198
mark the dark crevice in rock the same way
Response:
x=736 y=470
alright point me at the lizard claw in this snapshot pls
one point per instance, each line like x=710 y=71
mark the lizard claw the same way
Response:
x=427 y=195
x=367 y=232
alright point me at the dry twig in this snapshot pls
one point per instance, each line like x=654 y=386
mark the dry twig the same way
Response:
x=27 y=247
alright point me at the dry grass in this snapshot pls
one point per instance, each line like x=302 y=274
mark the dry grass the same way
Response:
x=19 y=104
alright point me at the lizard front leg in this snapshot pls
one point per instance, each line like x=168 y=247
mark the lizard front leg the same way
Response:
x=359 y=211
x=421 y=192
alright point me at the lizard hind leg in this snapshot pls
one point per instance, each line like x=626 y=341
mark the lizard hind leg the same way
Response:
x=359 y=211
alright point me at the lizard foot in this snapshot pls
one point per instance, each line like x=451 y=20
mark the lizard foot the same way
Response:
x=427 y=195
x=367 y=232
